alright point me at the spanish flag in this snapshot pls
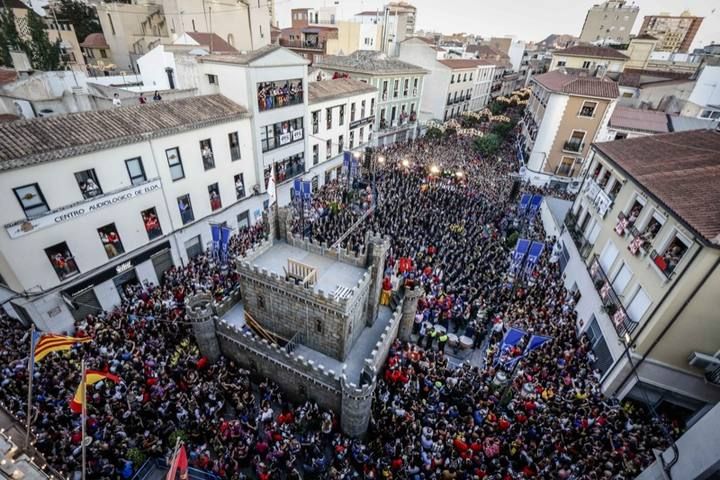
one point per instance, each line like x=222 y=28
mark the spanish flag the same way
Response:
x=91 y=377
x=44 y=343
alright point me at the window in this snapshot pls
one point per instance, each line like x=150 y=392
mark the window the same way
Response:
x=212 y=79
x=239 y=186
x=384 y=89
x=315 y=122
x=62 y=260
x=110 y=240
x=674 y=252
x=372 y=106
x=352 y=140
x=318 y=326
x=639 y=305
x=234 y=142
x=341 y=144
x=112 y=27
x=561 y=63
x=471 y=76
x=243 y=220
x=452 y=78
x=566 y=167
x=342 y=114
x=214 y=194
x=608 y=256
x=207 y=154
x=175 y=163
x=151 y=223
x=709 y=114
x=261 y=302
x=575 y=143
x=586 y=64
x=396 y=88
x=603 y=359
x=406 y=87
x=328 y=149
x=281 y=134
x=185 y=208
x=415 y=88
x=287 y=168
x=328 y=118
x=316 y=154
x=622 y=279
x=31 y=200
x=88 y=183
x=361 y=138
x=103 y=53
x=588 y=109
x=135 y=170
x=272 y=95
x=654 y=224
x=193 y=246
x=352 y=112
x=362 y=109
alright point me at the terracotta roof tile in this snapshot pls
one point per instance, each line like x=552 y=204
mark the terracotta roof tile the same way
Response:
x=367 y=62
x=573 y=84
x=7 y=75
x=592 y=51
x=681 y=170
x=29 y=142
x=218 y=44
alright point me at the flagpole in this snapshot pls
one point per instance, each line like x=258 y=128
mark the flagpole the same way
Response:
x=83 y=415
x=31 y=365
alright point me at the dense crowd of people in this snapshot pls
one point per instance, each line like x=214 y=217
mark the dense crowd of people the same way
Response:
x=450 y=214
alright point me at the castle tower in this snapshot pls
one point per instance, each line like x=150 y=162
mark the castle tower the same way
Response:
x=199 y=312
x=409 y=309
x=357 y=405
x=377 y=252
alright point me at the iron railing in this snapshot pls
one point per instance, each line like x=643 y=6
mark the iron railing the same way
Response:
x=612 y=305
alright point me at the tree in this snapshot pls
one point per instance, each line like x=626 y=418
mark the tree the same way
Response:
x=44 y=55
x=502 y=129
x=488 y=144
x=497 y=108
x=433 y=133
x=82 y=17
x=9 y=37
x=450 y=131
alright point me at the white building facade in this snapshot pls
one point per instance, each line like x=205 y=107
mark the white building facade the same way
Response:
x=121 y=206
x=400 y=89
x=341 y=117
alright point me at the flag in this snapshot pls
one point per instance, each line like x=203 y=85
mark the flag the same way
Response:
x=44 y=343
x=271 y=185
x=91 y=377
x=512 y=337
x=536 y=341
x=179 y=464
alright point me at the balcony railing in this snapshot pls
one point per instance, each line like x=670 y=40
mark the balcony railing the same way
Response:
x=612 y=305
x=583 y=246
x=306 y=45
x=600 y=200
x=573 y=146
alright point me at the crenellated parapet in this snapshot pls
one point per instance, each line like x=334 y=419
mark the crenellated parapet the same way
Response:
x=356 y=405
x=200 y=313
x=409 y=309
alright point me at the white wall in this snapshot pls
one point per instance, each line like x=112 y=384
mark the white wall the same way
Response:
x=152 y=66
x=547 y=130
x=707 y=87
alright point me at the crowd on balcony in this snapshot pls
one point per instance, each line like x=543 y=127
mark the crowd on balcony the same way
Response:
x=279 y=94
x=449 y=214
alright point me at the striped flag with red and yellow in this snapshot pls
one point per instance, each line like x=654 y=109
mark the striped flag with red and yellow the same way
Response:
x=45 y=343
x=91 y=377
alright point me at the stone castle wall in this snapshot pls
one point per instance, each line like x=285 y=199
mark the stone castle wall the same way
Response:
x=382 y=347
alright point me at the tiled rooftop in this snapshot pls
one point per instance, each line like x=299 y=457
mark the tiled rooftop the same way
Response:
x=241 y=58
x=457 y=64
x=572 y=84
x=29 y=142
x=369 y=63
x=336 y=88
x=592 y=51
x=681 y=170
x=640 y=120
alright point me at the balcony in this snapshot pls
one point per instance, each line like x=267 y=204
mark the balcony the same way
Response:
x=573 y=146
x=612 y=305
x=584 y=247
x=318 y=46
x=600 y=200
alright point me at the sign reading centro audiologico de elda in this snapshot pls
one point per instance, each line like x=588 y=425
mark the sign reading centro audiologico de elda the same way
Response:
x=19 y=229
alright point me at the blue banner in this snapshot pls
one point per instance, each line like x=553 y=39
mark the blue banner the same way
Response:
x=225 y=233
x=512 y=337
x=535 y=204
x=534 y=253
x=307 y=192
x=215 y=232
x=536 y=341
x=524 y=201
x=518 y=255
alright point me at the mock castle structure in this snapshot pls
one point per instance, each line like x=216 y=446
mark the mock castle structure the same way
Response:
x=309 y=318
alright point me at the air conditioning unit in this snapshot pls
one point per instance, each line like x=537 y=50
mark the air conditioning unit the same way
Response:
x=703 y=360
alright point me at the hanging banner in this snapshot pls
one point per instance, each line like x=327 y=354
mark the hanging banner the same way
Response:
x=535 y=204
x=518 y=255
x=533 y=256
x=524 y=201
